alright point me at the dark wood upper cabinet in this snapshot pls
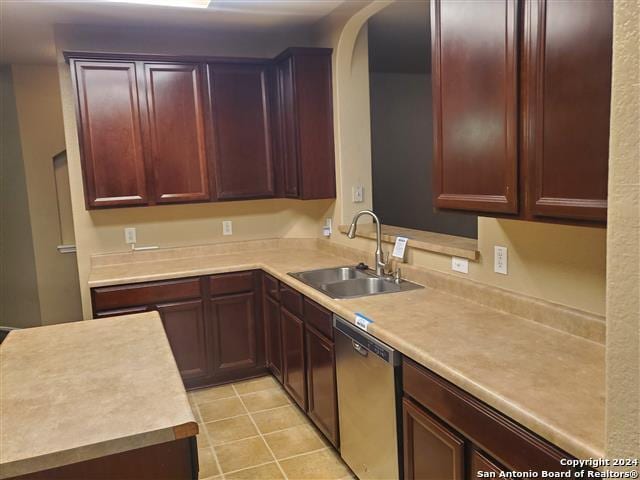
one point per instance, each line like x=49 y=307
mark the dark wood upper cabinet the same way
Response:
x=184 y=325
x=475 y=104
x=110 y=133
x=304 y=123
x=176 y=132
x=566 y=97
x=241 y=130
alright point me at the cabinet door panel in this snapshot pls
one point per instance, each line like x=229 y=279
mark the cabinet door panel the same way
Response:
x=431 y=451
x=567 y=70
x=288 y=143
x=239 y=108
x=184 y=324
x=293 y=357
x=233 y=323
x=176 y=131
x=110 y=132
x=273 y=336
x=474 y=55
x=482 y=463
x=321 y=384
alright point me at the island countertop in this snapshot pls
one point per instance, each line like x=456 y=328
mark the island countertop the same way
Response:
x=77 y=391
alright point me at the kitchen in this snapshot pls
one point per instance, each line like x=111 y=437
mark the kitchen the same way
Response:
x=207 y=166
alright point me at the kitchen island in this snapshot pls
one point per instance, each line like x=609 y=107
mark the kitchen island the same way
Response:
x=94 y=399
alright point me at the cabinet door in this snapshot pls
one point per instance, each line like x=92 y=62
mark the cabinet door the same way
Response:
x=482 y=463
x=110 y=133
x=567 y=73
x=321 y=384
x=286 y=122
x=474 y=64
x=293 y=357
x=234 y=333
x=184 y=324
x=239 y=108
x=273 y=336
x=431 y=451
x=176 y=132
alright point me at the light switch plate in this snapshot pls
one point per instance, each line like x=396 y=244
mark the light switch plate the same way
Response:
x=227 y=227
x=130 y=235
x=460 y=265
x=357 y=193
x=500 y=259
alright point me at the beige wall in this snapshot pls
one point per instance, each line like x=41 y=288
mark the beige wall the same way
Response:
x=557 y=263
x=102 y=231
x=19 y=301
x=623 y=272
x=42 y=137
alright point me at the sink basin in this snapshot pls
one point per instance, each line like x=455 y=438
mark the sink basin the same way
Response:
x=349 y=282
x=330 y=275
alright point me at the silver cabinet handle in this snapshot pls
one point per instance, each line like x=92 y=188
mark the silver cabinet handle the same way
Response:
x=359 y=348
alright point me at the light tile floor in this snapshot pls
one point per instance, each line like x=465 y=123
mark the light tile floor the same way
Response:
x=252 y=430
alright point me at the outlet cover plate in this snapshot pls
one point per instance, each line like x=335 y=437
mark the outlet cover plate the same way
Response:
x=460 y=265
x=130 y=235
x=500 y=260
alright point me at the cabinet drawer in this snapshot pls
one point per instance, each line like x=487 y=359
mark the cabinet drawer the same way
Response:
x=229 y=283
x=318 y=317
x=291 y=300
x=270 y=286
x=501 y=437
x=110 y=298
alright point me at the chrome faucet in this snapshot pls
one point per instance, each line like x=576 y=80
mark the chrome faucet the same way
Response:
x=380 y=264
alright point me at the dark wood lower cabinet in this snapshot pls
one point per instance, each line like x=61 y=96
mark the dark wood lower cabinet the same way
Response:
x=213 y=323
x=321 y=384
x=293 y=357
x=273 y=332
x=235 y=333
x=184 y=324
x=176 y=460
x=432 y=452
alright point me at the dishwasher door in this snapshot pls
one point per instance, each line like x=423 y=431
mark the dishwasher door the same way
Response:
x=368 y=403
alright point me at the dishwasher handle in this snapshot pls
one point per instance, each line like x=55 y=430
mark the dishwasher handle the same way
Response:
x=359 y=348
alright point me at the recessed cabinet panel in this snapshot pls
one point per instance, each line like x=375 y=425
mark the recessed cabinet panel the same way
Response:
x=287 y=128
x=321 y=383
x=239 y=108
x=273 y=332
x=293 y=357
x=176 y=132
x=568 y=81
x=184 y=324
x=110 y=131
x=234 y=332
x=475 y=74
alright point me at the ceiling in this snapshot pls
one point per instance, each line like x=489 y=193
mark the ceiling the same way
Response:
x=400 y=38
x=26 y=26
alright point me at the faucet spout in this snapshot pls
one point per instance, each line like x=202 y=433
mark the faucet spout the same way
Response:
x=380 y=265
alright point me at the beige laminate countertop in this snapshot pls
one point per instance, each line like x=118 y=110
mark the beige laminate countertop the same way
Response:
x=549 y=381
x=78 y=391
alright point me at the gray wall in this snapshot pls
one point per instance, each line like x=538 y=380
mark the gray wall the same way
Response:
x=402 y=154
x=19 y=302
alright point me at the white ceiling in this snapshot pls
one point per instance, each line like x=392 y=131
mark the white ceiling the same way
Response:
x=400 y=38
x=26 y=26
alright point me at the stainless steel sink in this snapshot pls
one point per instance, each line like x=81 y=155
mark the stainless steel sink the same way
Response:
x=349 y=282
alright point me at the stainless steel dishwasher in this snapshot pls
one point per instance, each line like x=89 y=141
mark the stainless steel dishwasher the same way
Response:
x=368 y=403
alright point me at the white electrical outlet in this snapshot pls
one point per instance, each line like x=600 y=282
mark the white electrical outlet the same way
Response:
x=130 y=235
x=357 y=194
x=460 y=265
x=227 y=227
x=500 y=259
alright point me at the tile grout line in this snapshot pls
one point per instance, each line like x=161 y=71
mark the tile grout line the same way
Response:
x=261 y=436
x=213 y=450
x=247 y=413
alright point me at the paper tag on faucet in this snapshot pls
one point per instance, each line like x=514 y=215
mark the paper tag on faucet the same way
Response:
x=362 y=322
x=398 y=249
